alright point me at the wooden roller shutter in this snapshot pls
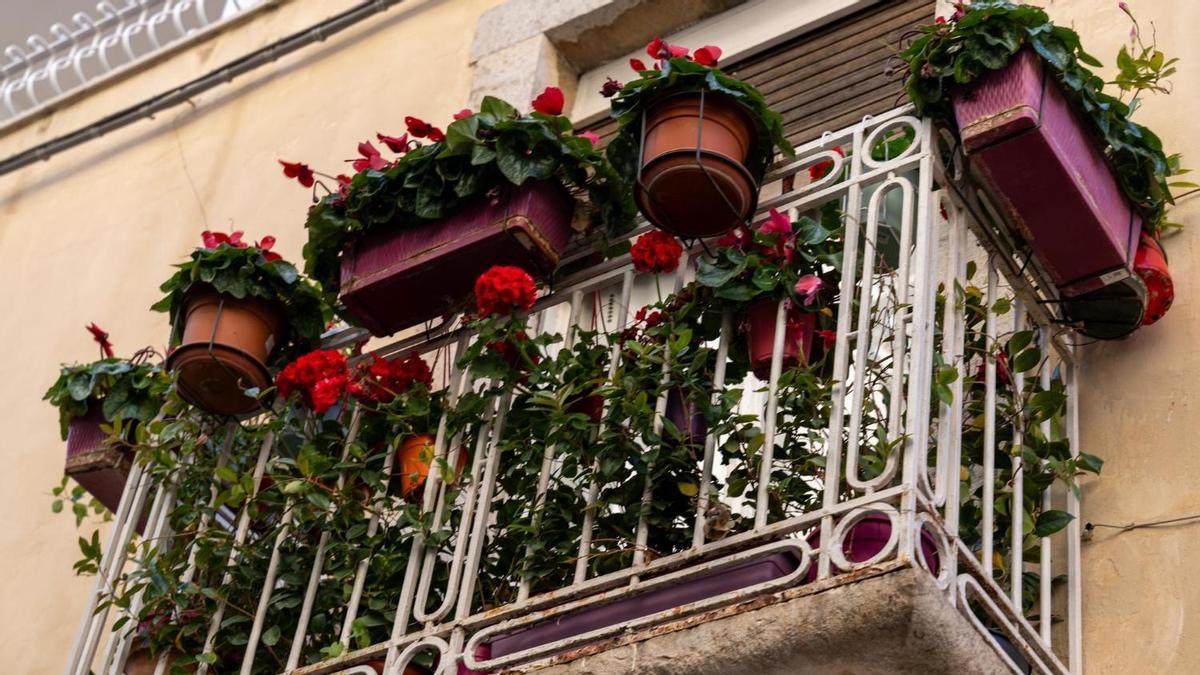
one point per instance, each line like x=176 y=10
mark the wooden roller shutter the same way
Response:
x=832 y=77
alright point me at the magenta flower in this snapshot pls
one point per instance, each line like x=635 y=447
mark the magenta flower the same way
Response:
x=808 y=286
x=778 y=223
x=590 y=136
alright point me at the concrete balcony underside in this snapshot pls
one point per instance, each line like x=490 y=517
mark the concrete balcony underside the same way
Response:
x=892 y=619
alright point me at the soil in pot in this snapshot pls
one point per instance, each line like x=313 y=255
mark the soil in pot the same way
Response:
x=224 y=350
x=759 y=326
x=694 y=181
x=1150 y=264
x=868 y=537
x=413 y=458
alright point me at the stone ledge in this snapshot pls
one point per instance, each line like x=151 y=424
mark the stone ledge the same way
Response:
x=896 y=621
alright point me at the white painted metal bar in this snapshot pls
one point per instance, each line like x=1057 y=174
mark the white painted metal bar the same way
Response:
x=710 y=441
x=1017 y=508
x=264 y=598
x=593 y=490
x=767 y=454
x=989 y=422
x=1074 y=533
x=1046 y=571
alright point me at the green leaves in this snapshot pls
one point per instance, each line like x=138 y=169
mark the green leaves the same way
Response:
x=1049 y=522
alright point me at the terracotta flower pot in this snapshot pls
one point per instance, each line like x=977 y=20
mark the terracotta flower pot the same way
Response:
x=868 y=537
x=694 y=181
x=412 y=461
x=759 y=327
x=1151 y=265
x=142 y=662
x=225 y=347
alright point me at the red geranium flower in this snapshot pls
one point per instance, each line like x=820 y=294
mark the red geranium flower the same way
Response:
x=101 y=339
x=707 y=55
x=371 y=159
x=463 y=114
x=395 y=144
x=821 y=169
x=504 y=290
x=656 y=251
x=550 y=101
x=658 y=49
x=735 y=238
x=637 y=65
x=611 y=87
x=383 y=380
x=422 y=129
x=299 y=171
x=321 y=377
x=828 y=338
x=215 y=239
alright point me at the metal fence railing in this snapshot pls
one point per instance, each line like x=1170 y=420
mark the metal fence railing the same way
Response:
x=948 y=405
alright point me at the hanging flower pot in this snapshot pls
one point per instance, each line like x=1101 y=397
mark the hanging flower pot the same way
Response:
x=1051 y=177
x=413 y=458
x=1151 y=265
x=235 y=310
x=694 y=181
x=1110 y=312
x=870 y=535
x=411 y=669
x=759 y=327
x=527 y=227
x=223 y=351
x=100 y=468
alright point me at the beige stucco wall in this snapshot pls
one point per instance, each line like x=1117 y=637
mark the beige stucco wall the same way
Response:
x=1139 y=403
x=89 y=235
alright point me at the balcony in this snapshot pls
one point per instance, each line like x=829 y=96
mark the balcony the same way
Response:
x=948 y=353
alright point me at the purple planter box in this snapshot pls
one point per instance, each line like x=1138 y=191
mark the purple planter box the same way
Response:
x=396 y=278
x=1049 y=174
x=868 y=537
x=101 y=469
x=758 y=571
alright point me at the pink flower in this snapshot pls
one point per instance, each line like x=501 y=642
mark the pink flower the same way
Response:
x=659 y=49
x=550 y=101
x=707 y=55
x=778 y=223
x=215 y=239
x=371 y=159
x=808 y=286
x=591 y=136
x=463 y=114
x=265 y=245
x=394 y=143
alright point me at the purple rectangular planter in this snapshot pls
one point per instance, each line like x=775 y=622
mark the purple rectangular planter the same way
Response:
x=758 y=571
x=101 y=469
x=396 y=278
x=1049 y=173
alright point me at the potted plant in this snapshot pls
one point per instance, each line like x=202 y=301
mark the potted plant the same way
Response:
x=1150 y=264
x=236 y=310
x=496 y=188
x=776 y=261
x=99 y=406
x=1078 y=177
x=694 y=142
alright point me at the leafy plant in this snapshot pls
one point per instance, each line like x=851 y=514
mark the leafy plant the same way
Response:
x=124 y=389
x=676 y=72
x=985 y=35
x=230 y=267
x=481 y=156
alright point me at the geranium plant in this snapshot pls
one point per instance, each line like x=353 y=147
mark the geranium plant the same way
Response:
x=230 y=266
x=675 y=71
x=479 y=154
x=985 y=35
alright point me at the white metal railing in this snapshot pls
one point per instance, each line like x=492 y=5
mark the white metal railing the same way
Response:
x=93 y=47
x=900 y=325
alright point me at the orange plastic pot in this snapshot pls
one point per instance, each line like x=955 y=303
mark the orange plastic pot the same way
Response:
x=413 y=458
x=224 y=350
x=1150 y=264
x=694 y=181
